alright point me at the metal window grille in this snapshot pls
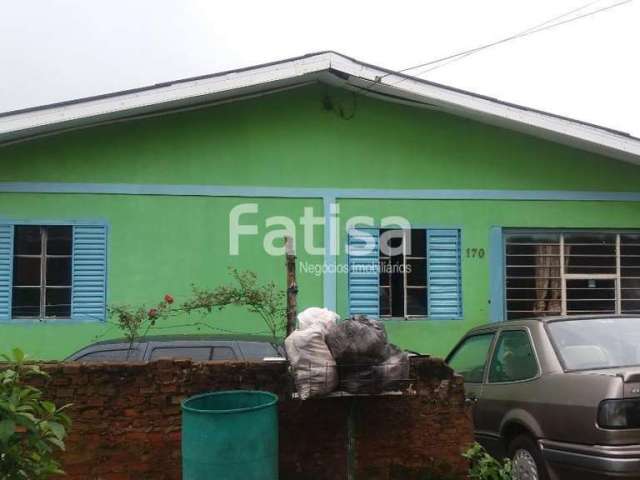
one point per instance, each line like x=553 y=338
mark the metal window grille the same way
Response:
x=572 y=272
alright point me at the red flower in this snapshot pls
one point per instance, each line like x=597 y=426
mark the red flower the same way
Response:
x=168 y=299
x=153 y=313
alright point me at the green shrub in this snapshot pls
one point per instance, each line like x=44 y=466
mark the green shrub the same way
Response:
x=32 y=429
x=483 y=466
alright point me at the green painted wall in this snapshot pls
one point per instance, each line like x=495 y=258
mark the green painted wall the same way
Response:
x=476 y=218
x=162 y=244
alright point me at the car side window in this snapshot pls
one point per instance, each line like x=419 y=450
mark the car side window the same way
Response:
x=470 y=358
x=116 y=355
x=198 y=354
x=223 y=353
x=513 y=359
x=258 y=350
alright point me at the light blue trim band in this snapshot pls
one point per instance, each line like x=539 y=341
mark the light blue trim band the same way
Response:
x=329 y=281
x=288 y=192
x=329 y=196
x=496 y=274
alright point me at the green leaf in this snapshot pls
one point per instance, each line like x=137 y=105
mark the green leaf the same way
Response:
x=57 y=442
x=58 y=430
x=18 y=355
x=7 y=429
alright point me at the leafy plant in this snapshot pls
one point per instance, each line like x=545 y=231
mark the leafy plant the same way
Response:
x=266 y=300
x=484 y=467
x=135 y=322
x=32 y=429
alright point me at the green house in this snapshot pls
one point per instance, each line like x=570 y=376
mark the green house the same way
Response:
x=431 y=208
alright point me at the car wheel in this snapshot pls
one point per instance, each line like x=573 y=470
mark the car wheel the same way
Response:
x=526 y=459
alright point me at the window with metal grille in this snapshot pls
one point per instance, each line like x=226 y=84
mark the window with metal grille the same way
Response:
x=403 y=273
x=42 y=259
x=571 y=272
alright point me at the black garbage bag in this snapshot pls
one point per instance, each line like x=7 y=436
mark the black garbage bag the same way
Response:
x=395 y=369
x=388 y=374
x=357 y=340
x=366 y=362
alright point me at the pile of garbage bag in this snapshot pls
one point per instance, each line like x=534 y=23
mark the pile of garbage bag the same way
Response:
x=354 y=356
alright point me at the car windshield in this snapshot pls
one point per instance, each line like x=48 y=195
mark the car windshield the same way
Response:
x=585 y=344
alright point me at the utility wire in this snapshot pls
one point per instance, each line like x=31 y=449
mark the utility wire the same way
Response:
x=529 y=31
x=441 y=62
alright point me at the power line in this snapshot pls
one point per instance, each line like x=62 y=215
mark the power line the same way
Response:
x=438 y=63
x=529 y=31
x=488 y=45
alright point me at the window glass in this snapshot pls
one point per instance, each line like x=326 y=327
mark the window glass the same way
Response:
x=571 y=273
x=25 y=302
x=597 y=342
x=26 y=271
x=416 y=301
x=58 y=302
x=59 y=240
x=42 y=259
x=27 y=240
x=591 y=295
x=513 y=359
x=416 y=272
x=470 y=358
x=258 y=350
x=403 y=273
x=223 y=353
x=59 y=271
x=118 y=355
x=198 y=354
x=630 y=271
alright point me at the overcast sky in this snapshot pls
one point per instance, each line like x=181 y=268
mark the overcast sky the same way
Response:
x=57 y=50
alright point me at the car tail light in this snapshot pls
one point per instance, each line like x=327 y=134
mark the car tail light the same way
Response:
x=619 y=414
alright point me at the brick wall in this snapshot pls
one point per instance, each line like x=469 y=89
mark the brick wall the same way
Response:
x=127 y=421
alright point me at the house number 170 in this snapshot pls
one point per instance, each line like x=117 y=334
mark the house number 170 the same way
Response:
x=475 y=252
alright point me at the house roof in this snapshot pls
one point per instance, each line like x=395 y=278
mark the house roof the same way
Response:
x=328 y=67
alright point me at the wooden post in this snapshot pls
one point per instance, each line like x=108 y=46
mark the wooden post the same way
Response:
x=292 y=286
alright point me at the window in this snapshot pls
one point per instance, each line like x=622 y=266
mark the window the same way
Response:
x=118 y=355
x=513 y=358
x=50 y=272
x=597 y=342
x=198 y=354
x=470 y=357
x=573 y=272
x=42 y=272
x=258 y=350
x=223 y=353
x=405 y=273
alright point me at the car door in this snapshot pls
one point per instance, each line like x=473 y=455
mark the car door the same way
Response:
x=510 y=388
x=469 y=359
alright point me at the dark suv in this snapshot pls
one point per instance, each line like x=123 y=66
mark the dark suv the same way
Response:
x=560 y=396
x=199 y=348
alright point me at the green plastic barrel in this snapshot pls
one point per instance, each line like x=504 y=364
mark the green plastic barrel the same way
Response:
x=231 y=435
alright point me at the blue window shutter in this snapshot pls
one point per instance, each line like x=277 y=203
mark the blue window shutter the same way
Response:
x=88 y=298
x=444 y=274
x=364 y=272
x=6 y=267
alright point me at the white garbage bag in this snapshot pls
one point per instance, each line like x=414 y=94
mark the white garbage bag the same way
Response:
x=315 y=316
x=314 y=369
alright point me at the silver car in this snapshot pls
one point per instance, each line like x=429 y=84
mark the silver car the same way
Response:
x=560 y=396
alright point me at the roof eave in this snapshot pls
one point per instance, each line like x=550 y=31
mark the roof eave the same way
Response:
x=327 y=67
